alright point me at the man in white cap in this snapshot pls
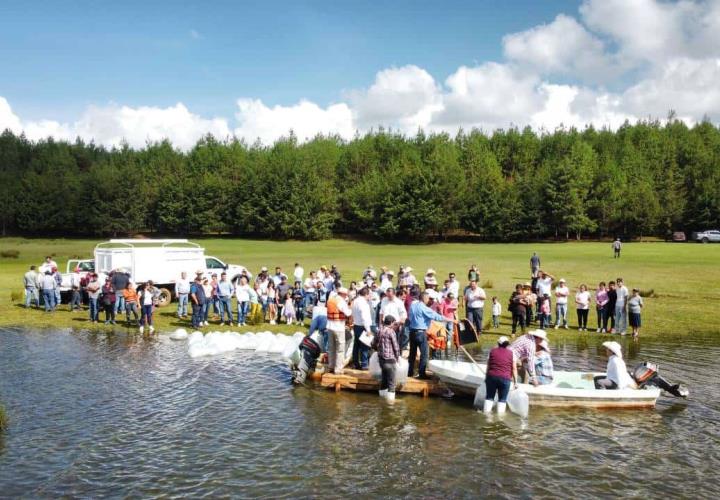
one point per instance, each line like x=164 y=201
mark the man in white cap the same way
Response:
x=562 y=292
x=430 y=279
x=617 y=376
x=338 y=312
x=386 y=281
x=524 y=348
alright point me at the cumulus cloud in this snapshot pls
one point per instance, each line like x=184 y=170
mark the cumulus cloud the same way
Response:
x=614 y=60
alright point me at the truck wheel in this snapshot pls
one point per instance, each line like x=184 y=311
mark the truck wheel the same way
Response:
x=705 y=240
x=165 y=297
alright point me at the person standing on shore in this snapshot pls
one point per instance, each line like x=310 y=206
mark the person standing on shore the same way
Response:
x=197 y=297
x=182 y=290
x=616 y=246
x=48 y=286
x=620 y=303
x=635 y=305
x=93 y=290
x=534 y=265
x=475 y=303
x=601 y=302
x=612 y=298
x=338 y=311
x=30 y=281
x=582 y=302
x=119 y=282
x=561 y=299
x=148 y=298
x=362 y=323
x=224 y=293
x=131 y=303
x=108 y=301
x=419 y=317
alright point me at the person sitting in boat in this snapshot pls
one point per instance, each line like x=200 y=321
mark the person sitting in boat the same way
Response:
x=524 y=349
x=501 y=371
x=617 y=376
x=543 y=363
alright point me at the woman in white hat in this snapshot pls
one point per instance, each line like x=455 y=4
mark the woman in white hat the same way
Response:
x=430 y=279
x=617 y=376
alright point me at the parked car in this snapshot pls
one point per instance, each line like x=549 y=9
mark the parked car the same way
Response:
x=711 y=235
x=679 y=236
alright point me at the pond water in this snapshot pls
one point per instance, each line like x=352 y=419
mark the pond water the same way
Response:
x=113 y=415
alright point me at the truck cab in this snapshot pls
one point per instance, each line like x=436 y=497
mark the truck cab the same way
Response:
x=217 y=266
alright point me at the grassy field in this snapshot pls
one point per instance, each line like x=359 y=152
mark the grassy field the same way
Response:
x=685 y=277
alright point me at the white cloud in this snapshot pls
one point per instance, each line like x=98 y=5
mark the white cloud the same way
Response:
x=562 y=47
x=8 y=119
x=306 y=119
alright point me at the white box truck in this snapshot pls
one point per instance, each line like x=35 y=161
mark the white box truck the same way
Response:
x=159 y=260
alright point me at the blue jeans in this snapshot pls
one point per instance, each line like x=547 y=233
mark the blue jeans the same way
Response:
x=182 y=304
x=561 y=313
x=418 y=340
x=94 y=309
x=225 y=306
x=119 y=302
x=197 y=315
x=49 y=298
x=620 y=318
x=146 y=315
x=403 y=337
x=319 y=323
x=496 y=321
x=493 y=385
x=57 y=297
x=205 y=311
x=361 y=352
x=243 y=308
x=31 y=295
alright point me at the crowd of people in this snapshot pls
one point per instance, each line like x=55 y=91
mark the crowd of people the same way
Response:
x=276 y=297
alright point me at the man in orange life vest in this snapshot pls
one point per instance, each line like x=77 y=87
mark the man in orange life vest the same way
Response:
x=338 y=311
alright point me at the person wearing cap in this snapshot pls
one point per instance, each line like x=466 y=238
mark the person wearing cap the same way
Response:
x=562 y=292
x=197 y=298
x=617 y=376
x=338 y=311
x=419 y=317
x=182 y=291
x=430 y=279
x=474 y=305
x=388 y=350
x=544 y=286
x=543 y=363
x=524 y=348
x=501 y=372
x=362 y=323
x=386 y=281
x=406 y=278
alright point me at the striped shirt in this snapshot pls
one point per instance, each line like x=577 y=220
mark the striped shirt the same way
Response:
x=524 y=350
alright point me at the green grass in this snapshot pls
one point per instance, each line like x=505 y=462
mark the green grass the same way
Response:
x=685 y=277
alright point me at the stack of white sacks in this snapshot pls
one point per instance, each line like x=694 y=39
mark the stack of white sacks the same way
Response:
x=214 y=343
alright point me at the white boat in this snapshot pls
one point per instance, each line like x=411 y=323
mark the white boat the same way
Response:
x=568 y=389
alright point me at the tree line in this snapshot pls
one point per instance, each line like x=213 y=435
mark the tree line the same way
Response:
x=648 y=178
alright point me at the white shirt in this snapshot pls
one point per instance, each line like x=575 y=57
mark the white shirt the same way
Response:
x=361 y=313
x=617 y=372
x=454 y=287
x=496 y=309
x=242 y=292
x=47 y=266
x=309 y=285
x=475 y=298
x=622 y=293
x=298 y=273
x=561 y=294
x=582 y=299
x=182 y=286
x=544 y=286
x=385 y=283
x=394 y=308
x=319 y=310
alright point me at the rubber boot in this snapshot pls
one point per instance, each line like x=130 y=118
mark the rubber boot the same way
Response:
x=390 y=397
x=488 y=406
x=501 y=408
x=142 y=329
x=383 y=393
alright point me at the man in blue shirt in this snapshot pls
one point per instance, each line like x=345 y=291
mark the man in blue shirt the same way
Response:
x=419 y=319
x=225 y=291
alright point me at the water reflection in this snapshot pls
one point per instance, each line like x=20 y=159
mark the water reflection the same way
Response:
x=123 y=415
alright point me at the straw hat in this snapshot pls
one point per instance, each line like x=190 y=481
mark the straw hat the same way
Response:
x=527 y=285
x=613 y=347
x=430 y=271
x=562 y=280
x=408 y=269
x=389 y=272
x=539 y=334
x=544 y=344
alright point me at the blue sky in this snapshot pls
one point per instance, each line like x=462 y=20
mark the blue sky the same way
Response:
x=130 y=71
x=61 y=56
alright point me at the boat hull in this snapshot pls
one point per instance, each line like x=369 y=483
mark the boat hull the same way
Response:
x=568 y=390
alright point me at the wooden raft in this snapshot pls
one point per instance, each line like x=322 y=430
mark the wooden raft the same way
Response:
x=360 y=380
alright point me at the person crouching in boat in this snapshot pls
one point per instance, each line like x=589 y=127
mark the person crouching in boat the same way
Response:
x=524 y=349
x=501 y=371
x=617 y=376
x=543 y=363
x=388 y=350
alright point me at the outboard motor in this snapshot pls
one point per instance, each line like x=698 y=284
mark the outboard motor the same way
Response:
x=309 y=353
x=646 y=374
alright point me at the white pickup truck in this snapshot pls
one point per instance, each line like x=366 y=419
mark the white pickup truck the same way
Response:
x=160 y=260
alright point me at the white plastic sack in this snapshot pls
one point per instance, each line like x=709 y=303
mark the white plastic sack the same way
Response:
x=519 y=403
x=278 y=344
x=179 y=334
x=374 y=366
x=480 y=394
x=401 y=372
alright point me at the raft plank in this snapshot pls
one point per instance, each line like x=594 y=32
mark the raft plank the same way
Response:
x=360 y=380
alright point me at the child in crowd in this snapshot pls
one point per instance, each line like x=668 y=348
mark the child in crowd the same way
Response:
x=496 y=312
x=545 y=311
x=289 y=309
x=297 y=295
x=635 y=305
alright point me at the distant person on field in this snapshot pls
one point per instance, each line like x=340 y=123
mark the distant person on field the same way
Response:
x=561 y=299
x=496 y=312
x=617 y=246
x=474 y=305
x=534 y=265
x=182 y=291
x=298 y=272
x=473 y=274
x=635 y=305
x=93 y=290
x=30 y=280
x=48 y=285
x=48 y=265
